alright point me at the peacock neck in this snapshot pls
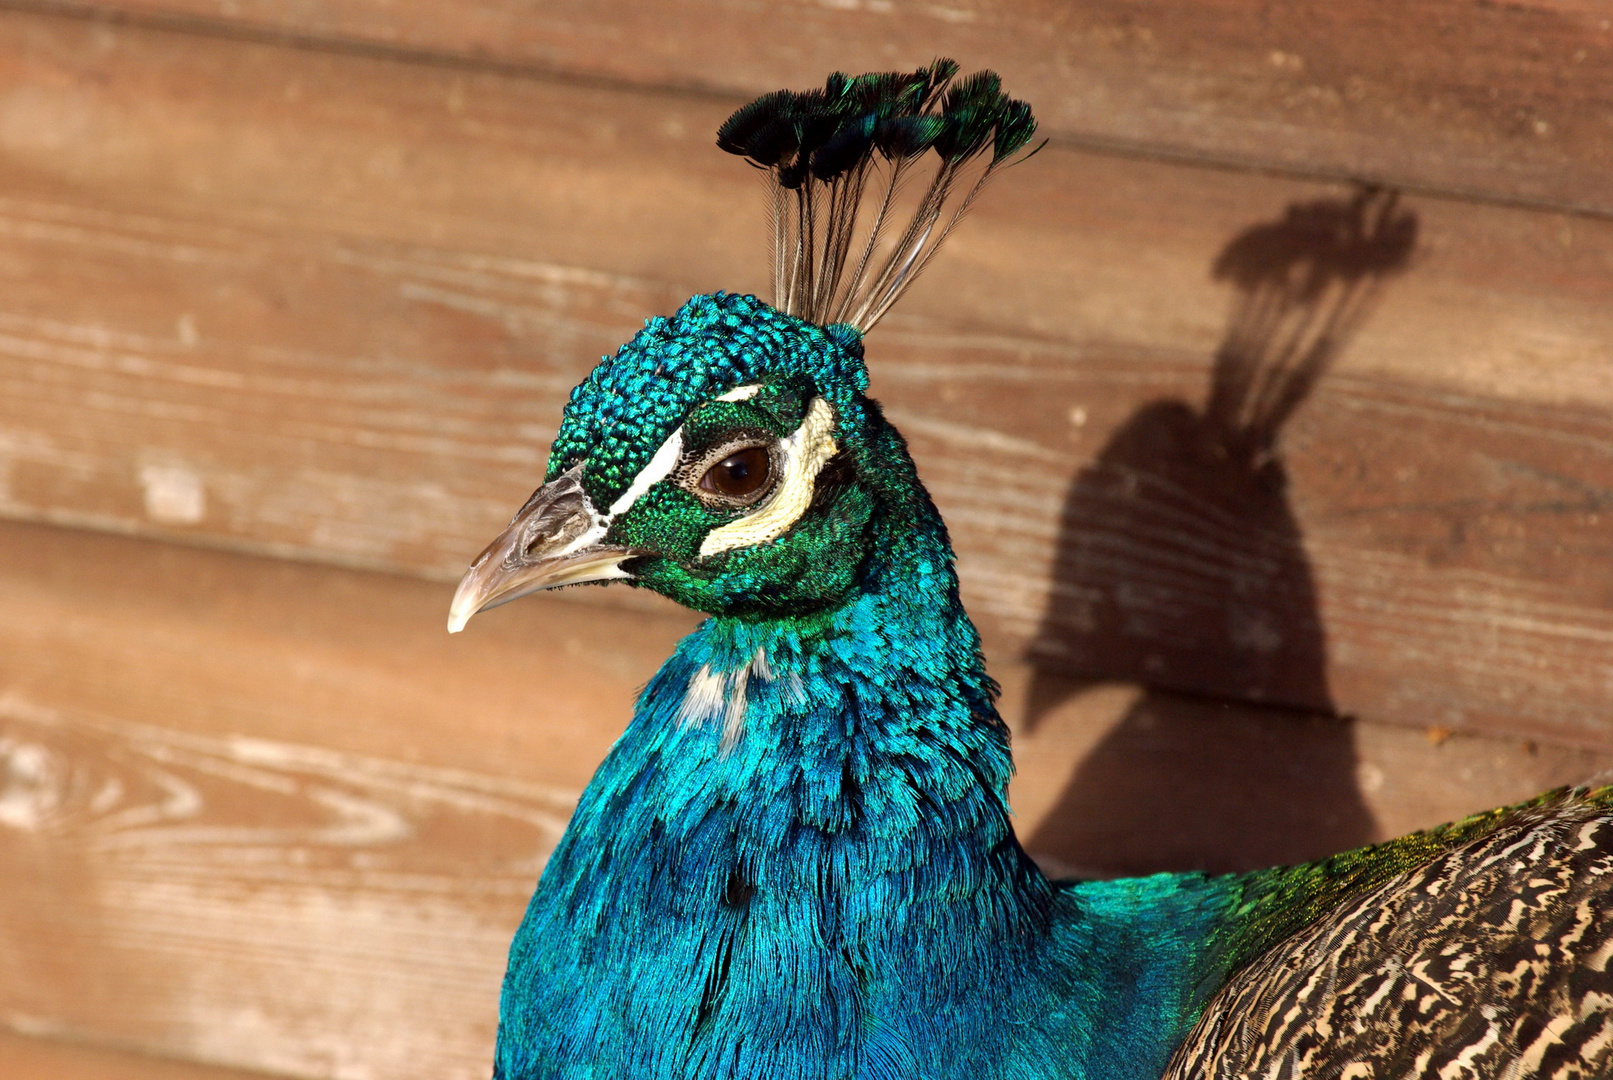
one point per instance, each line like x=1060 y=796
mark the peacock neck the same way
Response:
x=803 y=835
x=867 y=737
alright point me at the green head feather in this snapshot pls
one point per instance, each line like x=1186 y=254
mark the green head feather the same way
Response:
x=726 y=374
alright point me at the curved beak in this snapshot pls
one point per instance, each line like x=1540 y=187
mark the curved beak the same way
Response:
x=554 y=540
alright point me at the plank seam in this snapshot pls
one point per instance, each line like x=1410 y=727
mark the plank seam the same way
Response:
x=1100 y=145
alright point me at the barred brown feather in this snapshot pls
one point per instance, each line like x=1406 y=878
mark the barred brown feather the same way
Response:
x=1491 y=962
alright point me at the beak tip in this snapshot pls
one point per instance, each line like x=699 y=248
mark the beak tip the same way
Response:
x=519 y=561
x=464 y=605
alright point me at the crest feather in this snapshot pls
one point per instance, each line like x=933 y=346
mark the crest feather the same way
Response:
x=822 y=147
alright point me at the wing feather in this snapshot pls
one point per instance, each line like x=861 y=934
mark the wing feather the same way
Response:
x=1493 y=961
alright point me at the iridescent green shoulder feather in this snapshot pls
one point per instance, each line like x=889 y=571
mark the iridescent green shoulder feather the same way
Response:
x=1480 y=949
x=1281 y=901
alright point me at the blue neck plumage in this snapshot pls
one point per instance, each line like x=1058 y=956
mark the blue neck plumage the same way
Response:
x=798 y=861
x=803 y=835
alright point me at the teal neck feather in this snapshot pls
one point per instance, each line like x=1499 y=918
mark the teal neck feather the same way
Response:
x=825 y=882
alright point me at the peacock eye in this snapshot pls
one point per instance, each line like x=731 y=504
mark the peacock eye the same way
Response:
x=739 y=475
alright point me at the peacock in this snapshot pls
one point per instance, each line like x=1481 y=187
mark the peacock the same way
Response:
x=798 y=859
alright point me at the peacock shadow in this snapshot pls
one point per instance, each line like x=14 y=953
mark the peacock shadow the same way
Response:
x=1180 y=566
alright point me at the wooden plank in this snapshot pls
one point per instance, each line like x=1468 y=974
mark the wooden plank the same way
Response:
x=1504 y=101
x=1078 y=248
x=1428 y=563
x=269 y=815
x=27 y=1058
x=1116 y=778
x=330 y=308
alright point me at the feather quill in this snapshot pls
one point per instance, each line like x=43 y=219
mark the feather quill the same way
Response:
x=821 y=149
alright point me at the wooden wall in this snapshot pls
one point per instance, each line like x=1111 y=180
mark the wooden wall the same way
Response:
x=290 y=296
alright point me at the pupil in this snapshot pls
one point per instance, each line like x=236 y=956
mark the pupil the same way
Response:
x=739 y=474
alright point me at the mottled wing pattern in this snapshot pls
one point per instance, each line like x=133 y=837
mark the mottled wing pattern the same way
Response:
x=1491 y=962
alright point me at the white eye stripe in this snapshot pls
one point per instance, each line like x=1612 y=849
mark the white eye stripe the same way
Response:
x=805 y=453
x=741 y=393
x=659 y=468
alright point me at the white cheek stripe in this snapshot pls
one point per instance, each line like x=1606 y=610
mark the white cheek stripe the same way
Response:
x=805 y=453
x=659 y=468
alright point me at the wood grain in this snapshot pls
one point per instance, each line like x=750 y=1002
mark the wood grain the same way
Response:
x=336 y=903
x=1503 y=101
x=254 y=902
x=269 y=815
x=329 y=308
x=31 y=1058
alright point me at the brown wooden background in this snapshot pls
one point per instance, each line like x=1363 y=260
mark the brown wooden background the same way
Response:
x=290 y=295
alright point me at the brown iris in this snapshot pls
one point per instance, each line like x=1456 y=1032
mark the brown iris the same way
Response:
x=739 y=475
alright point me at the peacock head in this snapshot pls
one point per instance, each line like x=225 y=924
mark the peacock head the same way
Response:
x=715 y=459
x=728 y=456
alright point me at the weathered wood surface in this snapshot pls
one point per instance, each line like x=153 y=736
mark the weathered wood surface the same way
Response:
x=328 y=305
x=29 y=1058
x=269 y=815
x=236 y=822
x=1505 y=101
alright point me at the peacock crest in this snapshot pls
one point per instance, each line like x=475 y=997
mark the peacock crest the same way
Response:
x=824 y=150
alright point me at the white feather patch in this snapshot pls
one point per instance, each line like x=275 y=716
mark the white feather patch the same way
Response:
x=805 y=453
x=659 y=468
x=733 y=723
x=741 y=393
x=704 y=697
x=712 y=696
